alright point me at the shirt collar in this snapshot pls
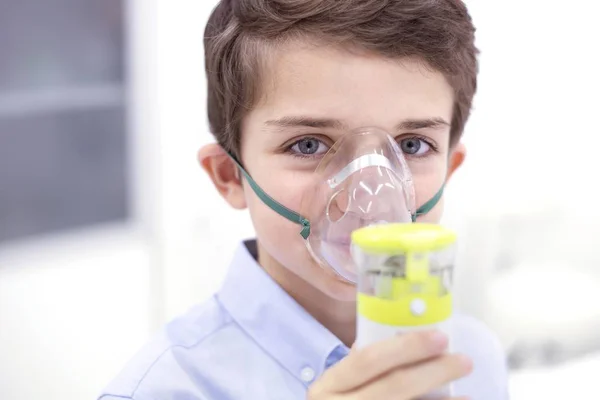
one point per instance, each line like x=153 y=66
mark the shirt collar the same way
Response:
x=274 y=320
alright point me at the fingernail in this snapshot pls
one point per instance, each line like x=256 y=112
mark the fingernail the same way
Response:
x=438 y=339
x=466 y=362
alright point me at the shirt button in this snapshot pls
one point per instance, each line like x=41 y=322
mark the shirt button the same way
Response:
x=307 y=374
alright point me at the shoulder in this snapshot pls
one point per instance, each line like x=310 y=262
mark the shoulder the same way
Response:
x=162 y=361
x=490 y=373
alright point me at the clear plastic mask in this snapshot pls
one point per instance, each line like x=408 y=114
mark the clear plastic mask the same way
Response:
x=362 y=180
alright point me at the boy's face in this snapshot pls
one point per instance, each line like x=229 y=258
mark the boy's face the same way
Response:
x=282 y=142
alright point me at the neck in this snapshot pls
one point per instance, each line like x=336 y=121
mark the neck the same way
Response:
x=339 y=317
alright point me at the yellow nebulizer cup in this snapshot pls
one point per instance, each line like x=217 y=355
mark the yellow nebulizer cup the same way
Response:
x=404 y=282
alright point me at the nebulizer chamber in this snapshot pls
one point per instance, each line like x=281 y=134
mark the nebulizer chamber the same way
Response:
x=404 y=282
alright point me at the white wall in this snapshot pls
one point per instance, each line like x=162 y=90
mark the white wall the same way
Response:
x=74 y=308
x=72 y=311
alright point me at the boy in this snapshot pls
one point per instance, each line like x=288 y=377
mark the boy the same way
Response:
x=286 y=80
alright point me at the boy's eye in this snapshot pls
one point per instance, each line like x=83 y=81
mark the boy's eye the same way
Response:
x=414 y=146
x=309 y=147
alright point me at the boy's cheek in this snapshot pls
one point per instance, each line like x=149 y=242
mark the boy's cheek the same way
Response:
x=279 y=237
x=435 y=215
x=427 y=183
x=286 y=186
x=267 y=221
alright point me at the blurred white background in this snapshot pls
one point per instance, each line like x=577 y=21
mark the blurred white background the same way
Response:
x=79 y=295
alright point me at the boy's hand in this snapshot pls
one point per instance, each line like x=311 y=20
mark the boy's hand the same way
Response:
x=404 y=367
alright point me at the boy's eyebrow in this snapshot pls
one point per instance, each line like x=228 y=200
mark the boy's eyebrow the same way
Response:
x=415 y=124
x=328 y=123
x=307 y=122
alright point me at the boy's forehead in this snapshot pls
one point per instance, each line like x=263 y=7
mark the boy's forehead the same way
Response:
x=324 y=81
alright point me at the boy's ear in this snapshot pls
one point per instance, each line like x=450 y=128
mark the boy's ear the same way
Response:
x=224 y=174
x=456 y=159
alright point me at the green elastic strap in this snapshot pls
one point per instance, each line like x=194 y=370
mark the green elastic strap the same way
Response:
x=425 y=208
x=305 y=223
x=274 y=205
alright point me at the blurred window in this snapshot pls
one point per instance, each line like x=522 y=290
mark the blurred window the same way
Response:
x=63 y=134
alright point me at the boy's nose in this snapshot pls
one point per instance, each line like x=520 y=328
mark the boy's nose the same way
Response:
x=367 y=202
x=339 y=205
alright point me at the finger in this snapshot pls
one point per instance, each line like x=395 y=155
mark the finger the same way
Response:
x=420 y=379
x=366 y=364
x=458 y=398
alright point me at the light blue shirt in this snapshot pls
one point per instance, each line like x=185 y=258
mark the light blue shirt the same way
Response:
x=252 y=341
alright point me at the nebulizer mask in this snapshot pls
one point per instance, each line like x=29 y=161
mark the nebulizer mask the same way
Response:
x=358 y=219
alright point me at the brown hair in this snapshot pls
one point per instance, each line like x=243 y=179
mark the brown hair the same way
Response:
x=439 y=32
